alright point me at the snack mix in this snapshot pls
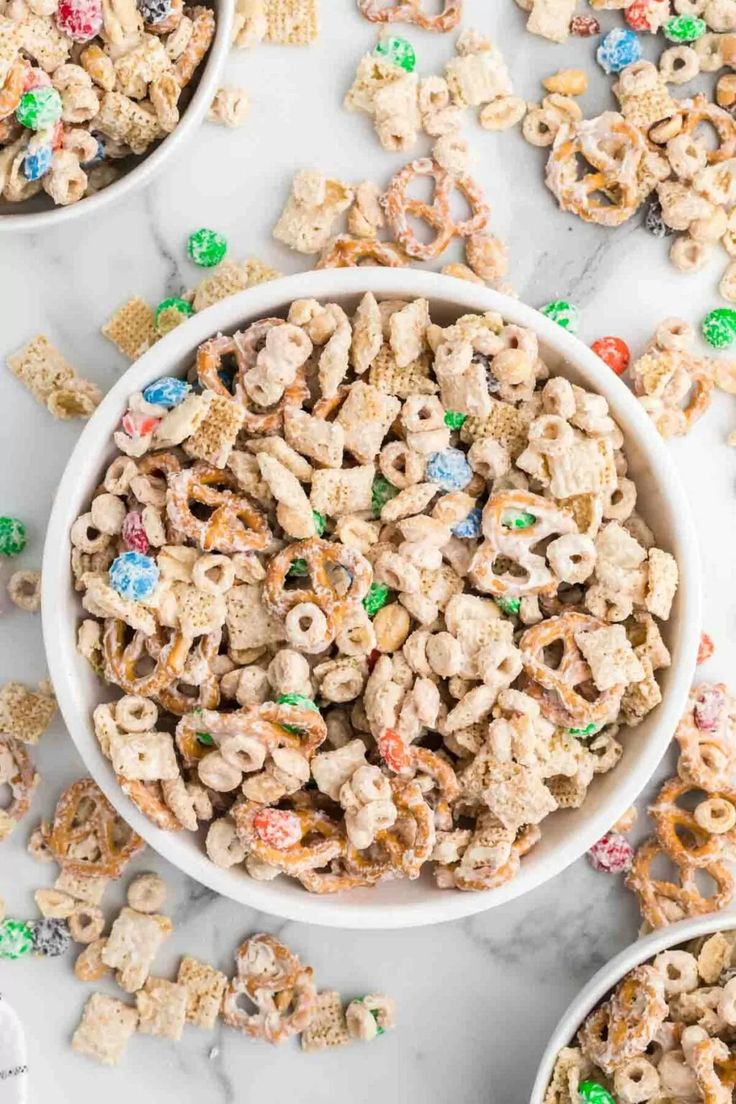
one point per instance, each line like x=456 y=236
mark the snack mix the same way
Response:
x=664 y=1035
x=375 y=593
x=86 y=84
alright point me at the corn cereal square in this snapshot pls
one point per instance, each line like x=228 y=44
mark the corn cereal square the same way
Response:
x=204 y=986
x=131 y=328
x=292 y=22
x=41 y=367
x=162 y=1007
x=24 y=713
x=104 y=1029
x=327 y=1028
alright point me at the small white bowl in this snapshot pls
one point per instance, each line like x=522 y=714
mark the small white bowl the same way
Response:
x=566 y=835
x=40 y=213
x=609 y=976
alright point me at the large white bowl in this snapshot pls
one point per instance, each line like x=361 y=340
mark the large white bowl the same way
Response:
x=566 y=834
x=609 y=976
x=39 y=213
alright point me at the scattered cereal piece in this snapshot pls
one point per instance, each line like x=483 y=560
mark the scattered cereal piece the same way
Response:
x=51 y=937
x=131 y=328
x=706 y=647
x=162 y=1007
x=16 y=939
x=206 y=247
x=24 y=713
x=24 y=588
x=147 y=893
x=13 y=536
x=327 y=1028
x=568 y=82
x=54 y=905
x=170 y=313
x=370 y=1016
x=89 y=965
x=292 y=22
x=612 y=854
x=563 y=313
x=205 y=987
x=306 y=222
x=105 y=1028
x=684 y=28
x=132 y=945
x=614 y=352
x=230 y=107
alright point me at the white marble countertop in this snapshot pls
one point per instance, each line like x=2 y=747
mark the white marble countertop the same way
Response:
x=477 y=999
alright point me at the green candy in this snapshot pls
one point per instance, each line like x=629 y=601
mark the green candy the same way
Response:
x=399 y=51
x=563 y=313
x=589 y=730
x=13 y=536
x=170 y=313
x=298 y=568
x=39 y=108
x=376 y=598
x=16 y=940
x=297 y=699
x=684 y=28
x=374 y=1013
x=205 y=739
x=454 y=419
x=593 y=1093
x=206 y=247
x=382 y=492
x=509 y=606
x=513 y=519
x=320 y=521
x=719 y=327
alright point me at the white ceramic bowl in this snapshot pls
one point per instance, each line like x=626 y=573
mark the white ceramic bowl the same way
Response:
x=40 y=213
x=610 y=975
x=567 y=834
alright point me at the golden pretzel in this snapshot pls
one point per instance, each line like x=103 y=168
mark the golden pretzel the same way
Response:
x=275 y=724
x=714 y=1067
x=122 y=659
x=173 y=697
x=707 y=737
x=399 y=207
x=625 y=1025
x=410 y=840
x=684 y=840
x=556 y=688
x=236 y=524
x=12 y=90
x=162 y=464
x=325 y=836
x=320 y=556
x=88 y=838
x=698 y=110
x=410 y=11
x=662 y=902
x=284 y=995
x=346 y=252
x=147 y=797
x=16 y=771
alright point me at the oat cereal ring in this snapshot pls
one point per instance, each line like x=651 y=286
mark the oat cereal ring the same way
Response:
x=664 y=902
x=17 y=772
x=86 y=924
x=707 y=737
x=328 y=564
x=235 y=524
x=698 y=110
x=678 y=831
x=623 y=1027
x=88 y=838
x=147 y=893
x=200 y=40
x=277 y=983
x=277 y=836
x=437 y=214
x=122 y=659
x=346 y=252
x=148 y=797
x=556 y=688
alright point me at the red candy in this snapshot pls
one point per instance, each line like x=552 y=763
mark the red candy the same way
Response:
x=278 y=827
x=612 y=854
x=639 y=14
x=614 y=352
x=707 y=709
x=134 y=533
x=706 y=648
x=373 y=659
x=81 y=20
x=584 y=26
x=138 y=425
x=393 y=750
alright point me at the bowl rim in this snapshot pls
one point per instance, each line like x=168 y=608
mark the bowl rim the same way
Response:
x=140 y=175
x=610 y=974
x=267 y=299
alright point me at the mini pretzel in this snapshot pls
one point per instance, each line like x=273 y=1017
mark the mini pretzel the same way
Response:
x=410 y=840
x=88 y=838
x=698 y=110
x=336 y=879
x=714 y=1067
x=556 y=688
x=122 y=660
x=12 y=90
x=679 y=833
x=516 y=545
x=16 y=771
x=663 y=902
x=320 y=838
x=616 y=177
x=173 y=697
x=347 y=252
x=399 y=207
x=235 y=525
x=624 y=1026
x=707 y=737
x=319 y=556
x=410 y=11
x=148 y=797
x=274 y=724
x=200 y=40
x=277 y=983
x=478 y=878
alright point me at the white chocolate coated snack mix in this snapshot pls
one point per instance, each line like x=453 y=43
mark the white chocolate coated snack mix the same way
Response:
x=664 y=1034
x=375 y=592
x=85 y=85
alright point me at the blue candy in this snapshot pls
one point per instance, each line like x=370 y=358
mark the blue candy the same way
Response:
x=167 y=391
x=134 y=576
x=619 y=48
x=450 y=469
x=469 y=527
x=37 y=163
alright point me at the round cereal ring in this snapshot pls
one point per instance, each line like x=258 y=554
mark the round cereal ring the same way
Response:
x=699 y=110
x=680 y=834
x=399 y=207
x=477 y=878
x=17 y=772
x=625 y=1025
x=663 y=902
x=235 y=524
x=346 y=252
x=122 y=659
x=556 y=689
x=273 y=979
x=88 y=838
x=707 y=737
x=148 y=797
x=277 y=836
x=12 y=90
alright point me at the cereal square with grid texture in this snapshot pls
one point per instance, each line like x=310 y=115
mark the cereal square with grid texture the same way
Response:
x=82 y=887
x=204 y=986
x=41 y=367
x=292 y=22
x=131 y=328
x=215 y=435
x=25 y=713
x=132 y=945
x=105 y=1028
x=162 y=1007
x=249 y=624
x=327 y=1028
x=11 y=40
